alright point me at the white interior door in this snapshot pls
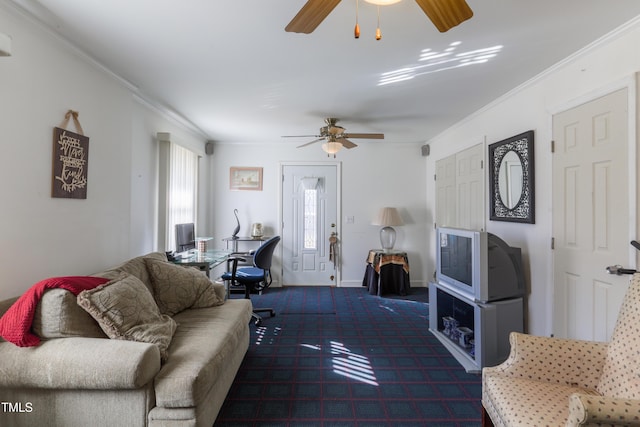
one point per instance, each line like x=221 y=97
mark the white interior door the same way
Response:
x=309 y=217
x=591 y=216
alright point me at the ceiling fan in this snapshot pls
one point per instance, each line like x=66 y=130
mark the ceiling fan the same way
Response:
x=445 y=14
x=335 y=136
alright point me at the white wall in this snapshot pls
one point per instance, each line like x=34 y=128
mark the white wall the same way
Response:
x=42 y=236
x=375 y=174
x=594 y=70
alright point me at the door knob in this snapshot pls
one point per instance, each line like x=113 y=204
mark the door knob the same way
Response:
x=617 y=269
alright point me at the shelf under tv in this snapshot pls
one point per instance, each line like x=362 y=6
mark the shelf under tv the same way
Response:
x=490 y=322
x=460 y=354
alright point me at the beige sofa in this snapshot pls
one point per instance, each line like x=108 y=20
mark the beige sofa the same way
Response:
x=563 y=382
x=77 y=376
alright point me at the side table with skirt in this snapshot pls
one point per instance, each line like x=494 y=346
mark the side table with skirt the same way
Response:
x=387 y=272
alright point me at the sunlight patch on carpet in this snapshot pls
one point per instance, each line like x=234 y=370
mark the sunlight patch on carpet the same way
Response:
x=348 y=364
x=261 y=335
x=351 y=365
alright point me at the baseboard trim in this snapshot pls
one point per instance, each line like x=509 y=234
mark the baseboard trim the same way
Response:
x=358 y=284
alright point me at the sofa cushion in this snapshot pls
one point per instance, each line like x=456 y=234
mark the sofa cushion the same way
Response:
x=58 y=315
x=205 y=341
x=124 y=308
x=621 y=372
x=76 y=363
x=177 y=288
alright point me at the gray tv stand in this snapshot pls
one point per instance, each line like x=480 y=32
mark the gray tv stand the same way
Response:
x=481 y=336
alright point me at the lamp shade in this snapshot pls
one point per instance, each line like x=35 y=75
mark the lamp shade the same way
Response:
x=388 y=217
x=5 y=45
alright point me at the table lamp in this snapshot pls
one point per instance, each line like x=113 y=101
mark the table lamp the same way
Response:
x=387 y=217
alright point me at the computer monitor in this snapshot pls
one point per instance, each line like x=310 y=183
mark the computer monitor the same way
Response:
x=185 y=237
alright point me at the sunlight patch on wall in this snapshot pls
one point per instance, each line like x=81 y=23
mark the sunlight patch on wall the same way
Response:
x=431 y=61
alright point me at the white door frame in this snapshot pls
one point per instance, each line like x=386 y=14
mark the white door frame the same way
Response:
x=631 y=84
x=338 y=166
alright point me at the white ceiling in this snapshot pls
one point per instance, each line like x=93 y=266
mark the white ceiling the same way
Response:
x=231 y=70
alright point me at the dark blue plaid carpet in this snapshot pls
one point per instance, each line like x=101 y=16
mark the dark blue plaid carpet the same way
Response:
x=336 y=357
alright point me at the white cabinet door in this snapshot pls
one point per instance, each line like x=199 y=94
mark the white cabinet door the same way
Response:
x=460 y=189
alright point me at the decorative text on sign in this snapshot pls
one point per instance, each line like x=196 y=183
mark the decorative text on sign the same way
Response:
x=70 y=161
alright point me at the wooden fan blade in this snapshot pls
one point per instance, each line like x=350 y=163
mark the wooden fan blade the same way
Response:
x=311 y=15
x=300 y=136
x=364 y=135
x=309 y=143
x=347 y=144
x=446 y=14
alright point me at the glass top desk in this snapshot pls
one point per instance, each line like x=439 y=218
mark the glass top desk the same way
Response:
x=204 y=261
x=232 y=242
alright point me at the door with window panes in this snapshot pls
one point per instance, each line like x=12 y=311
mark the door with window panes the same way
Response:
x=309 y=217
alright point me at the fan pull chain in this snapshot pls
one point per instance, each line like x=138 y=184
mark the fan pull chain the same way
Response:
x=378 y=32
x=356 y=30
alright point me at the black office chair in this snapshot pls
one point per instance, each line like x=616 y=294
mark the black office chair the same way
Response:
x=185 y=237
x=254 y=278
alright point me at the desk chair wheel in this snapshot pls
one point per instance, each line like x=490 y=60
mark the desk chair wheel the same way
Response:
x=257 y=318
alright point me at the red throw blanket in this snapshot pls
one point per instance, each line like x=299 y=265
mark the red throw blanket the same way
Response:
x=15 y=325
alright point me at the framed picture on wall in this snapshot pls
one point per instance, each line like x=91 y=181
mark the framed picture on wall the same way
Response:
x=245 y=178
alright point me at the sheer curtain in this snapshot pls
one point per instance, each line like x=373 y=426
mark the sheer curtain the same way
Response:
x=182 y=197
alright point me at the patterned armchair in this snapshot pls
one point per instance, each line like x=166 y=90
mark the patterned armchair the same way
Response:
x=561 y=382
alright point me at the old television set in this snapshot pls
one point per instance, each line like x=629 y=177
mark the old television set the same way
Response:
x=478 y=265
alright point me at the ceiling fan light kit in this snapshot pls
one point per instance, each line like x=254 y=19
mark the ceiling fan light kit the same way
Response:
x=445 y=14
x=331 y=147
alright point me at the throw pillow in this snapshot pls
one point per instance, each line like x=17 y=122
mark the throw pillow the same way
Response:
x=177 y=288
x=135 y=266
x=124 y=308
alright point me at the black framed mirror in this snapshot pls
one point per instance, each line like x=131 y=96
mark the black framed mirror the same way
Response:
x=511 y=177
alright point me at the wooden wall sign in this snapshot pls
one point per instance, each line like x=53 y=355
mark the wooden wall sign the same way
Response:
x=70 y=161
